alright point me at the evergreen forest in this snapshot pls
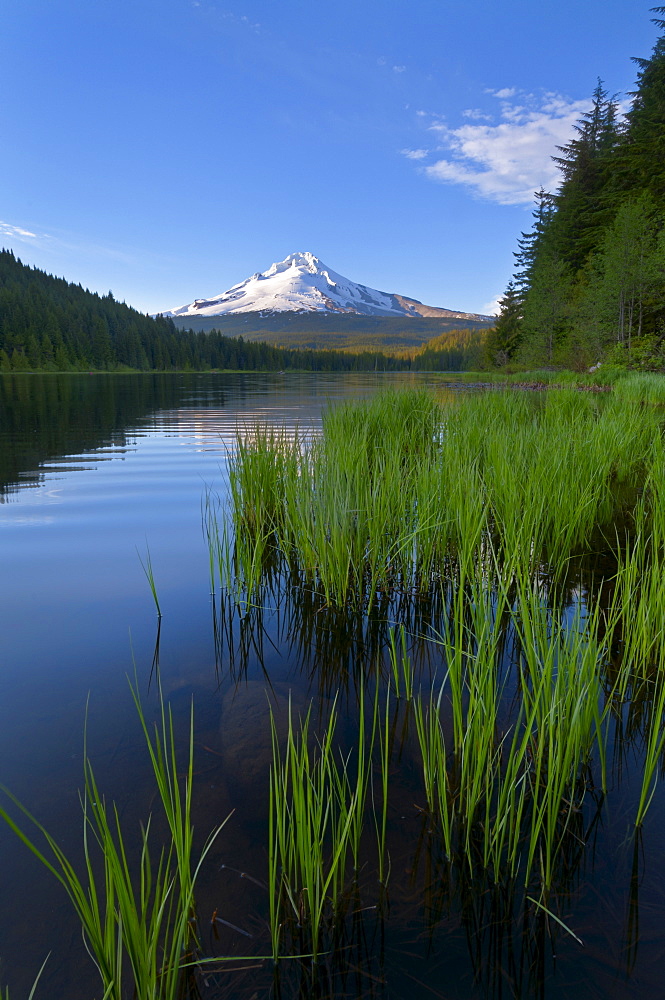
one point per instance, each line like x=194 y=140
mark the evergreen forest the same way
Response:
x=590 y=279
x=49 y=324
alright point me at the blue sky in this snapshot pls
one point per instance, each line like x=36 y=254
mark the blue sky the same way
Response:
x=167 y=149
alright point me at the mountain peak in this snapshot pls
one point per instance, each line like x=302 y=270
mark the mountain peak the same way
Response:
x=299 y=261
x=303 y=283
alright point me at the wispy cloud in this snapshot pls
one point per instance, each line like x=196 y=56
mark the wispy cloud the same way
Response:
x=510 y=159
x=66 y=244
x=476 y=115
x=414 y=154
x=399 y=69
x=18 y=233
x=504 y=93
x=492 y=308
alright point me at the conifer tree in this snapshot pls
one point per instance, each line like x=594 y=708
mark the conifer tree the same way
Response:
x=531 y=244
x=591 y=273
x=641 y=163
x=505 y=336
x=581 y=208
x=547 y=312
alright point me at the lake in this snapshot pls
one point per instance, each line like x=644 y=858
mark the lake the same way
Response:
x=98 y=473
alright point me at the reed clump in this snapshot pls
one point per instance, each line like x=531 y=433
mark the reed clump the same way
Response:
x=397 y=485
x=506 y=737
x=487 y=498
x=319 y=799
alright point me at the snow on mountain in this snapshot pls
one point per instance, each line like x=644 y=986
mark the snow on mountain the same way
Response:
x=302 y=282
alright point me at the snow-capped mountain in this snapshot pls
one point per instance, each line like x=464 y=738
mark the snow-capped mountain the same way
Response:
x=303 y=283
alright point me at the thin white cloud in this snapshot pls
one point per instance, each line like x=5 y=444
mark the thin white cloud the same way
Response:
x=63 y=242
x=18 y=233
x=492 y=308
x=504 y=93
x=399 y=69
x=514 y=113
x=508 y=161
x=414 y=154
x=476 y=115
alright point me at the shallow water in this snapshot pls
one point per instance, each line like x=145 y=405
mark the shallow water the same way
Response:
x=95 y=472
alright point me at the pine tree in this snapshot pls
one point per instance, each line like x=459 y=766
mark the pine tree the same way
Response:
x=505 y=336
x=547 y=311
x=581 y=208
x=46 y=352
x=61 y=359
x=641 y=161
x=19 y=361
x=32 y=351
x=102 y=355
x=591 y=272
x=531 y=244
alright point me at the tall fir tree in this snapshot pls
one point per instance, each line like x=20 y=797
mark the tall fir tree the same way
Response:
x=593 y=267
x=581 y=208
x=532 y=244
x=641 y=161
x=504 y=338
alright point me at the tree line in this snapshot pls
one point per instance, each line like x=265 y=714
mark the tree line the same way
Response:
x=590 y=277
x=49 y=324
x=452 y=351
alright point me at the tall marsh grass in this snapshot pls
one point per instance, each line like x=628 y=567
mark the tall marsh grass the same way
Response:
x=505 y=752
x=487 y=500
x=319 y=798
x=138 y=922
x=463 y=527
x=396 y=485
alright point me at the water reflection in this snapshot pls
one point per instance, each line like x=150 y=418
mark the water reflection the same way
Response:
x=118 y=459
x=47 y=420
x=513 y=939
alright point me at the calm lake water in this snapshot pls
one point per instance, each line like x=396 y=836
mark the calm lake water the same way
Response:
x=95 y=471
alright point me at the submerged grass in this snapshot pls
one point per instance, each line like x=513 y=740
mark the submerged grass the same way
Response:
x=317 y=810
